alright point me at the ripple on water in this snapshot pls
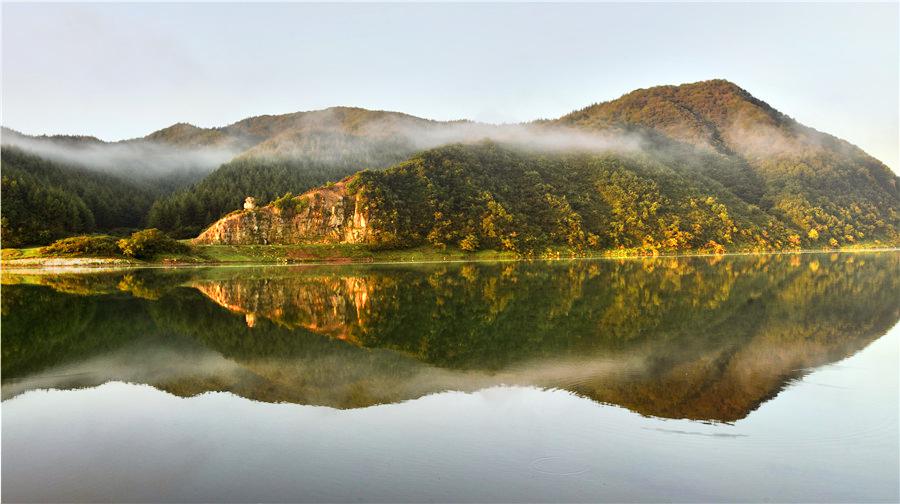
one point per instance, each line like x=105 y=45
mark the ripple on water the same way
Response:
x=558 y=466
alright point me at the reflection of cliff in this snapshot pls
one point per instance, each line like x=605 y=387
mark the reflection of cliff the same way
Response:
x=685 y=338
x=326 y=305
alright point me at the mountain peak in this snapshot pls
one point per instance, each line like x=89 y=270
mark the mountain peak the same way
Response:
x=187 y=135
x=710 y=114
x=712 y=86
x=179 y=127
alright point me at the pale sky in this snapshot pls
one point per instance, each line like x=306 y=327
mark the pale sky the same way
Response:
x=123 y=70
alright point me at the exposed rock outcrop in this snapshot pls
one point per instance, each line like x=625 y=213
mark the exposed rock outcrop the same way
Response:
x=326 y=214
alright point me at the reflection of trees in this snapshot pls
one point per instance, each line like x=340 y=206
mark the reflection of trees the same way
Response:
x=487 y=316
x=804 y=314
x=42 y=328
x=706 y=338
x=144 y=283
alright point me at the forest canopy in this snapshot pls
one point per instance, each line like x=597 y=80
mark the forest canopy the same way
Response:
x=489 y=196
x=44 y=200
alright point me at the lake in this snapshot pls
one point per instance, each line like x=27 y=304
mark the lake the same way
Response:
x=736 y=378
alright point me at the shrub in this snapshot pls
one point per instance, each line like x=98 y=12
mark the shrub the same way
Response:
x=302 y=204
x=284 y=203
x=469 y=243
x=93 y=246
x=150 y=242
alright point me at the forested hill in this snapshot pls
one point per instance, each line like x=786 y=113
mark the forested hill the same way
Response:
x=292 y=152
x=44 y=200
x=787 y=183
x=515 y=198
x=509 y=198
x=811 y=180
x=262 y=156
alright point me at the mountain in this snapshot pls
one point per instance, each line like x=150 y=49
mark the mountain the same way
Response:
x=815 y=182
x=488 y=195
x=160 y=158
x=697 y=166
x=263 y=156
x=291 y=152
x=188 y=135
x=56 y=186
x=632 y=172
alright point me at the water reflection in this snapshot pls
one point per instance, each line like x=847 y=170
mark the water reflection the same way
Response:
x=694 y=338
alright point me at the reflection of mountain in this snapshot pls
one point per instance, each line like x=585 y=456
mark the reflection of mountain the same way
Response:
x=684 y=338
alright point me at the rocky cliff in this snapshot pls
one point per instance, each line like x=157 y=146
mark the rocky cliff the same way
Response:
x=326 y=214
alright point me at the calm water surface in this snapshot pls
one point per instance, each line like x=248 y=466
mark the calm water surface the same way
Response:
x=675 y=379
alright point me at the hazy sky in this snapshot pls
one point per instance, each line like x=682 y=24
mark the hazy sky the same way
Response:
x=123 y=70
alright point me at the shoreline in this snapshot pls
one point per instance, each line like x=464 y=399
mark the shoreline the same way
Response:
x=53 y=265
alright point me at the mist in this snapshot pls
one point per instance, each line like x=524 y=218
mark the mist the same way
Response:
x=530 y=136
x=337 y=135
x=346 y=139
x=421 y=134
x=137 y=159
x=351 y=136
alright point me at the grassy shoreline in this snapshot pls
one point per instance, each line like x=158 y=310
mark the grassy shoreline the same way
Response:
x=213 y=255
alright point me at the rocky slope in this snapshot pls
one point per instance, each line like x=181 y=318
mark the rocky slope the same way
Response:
x=327 y=214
